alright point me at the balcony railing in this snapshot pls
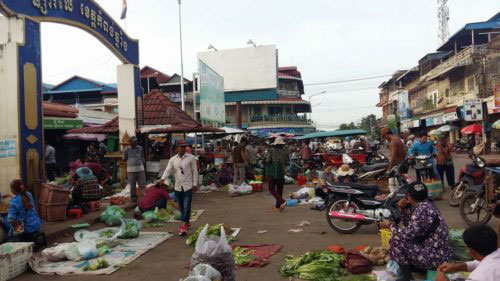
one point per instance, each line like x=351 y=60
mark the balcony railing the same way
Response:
x=279 y=118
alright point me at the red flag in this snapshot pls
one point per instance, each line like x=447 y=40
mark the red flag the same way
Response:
x=124 y=10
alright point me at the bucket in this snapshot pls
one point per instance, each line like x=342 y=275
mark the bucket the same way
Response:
x=385 y=237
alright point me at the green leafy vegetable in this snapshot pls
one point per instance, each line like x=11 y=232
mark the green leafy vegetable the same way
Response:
x=213 y=230
x=243 y=256
x=316 y=266
x=362 y=277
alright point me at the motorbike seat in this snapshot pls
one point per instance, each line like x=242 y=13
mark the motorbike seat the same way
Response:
x=377 y=166
x=369 y=189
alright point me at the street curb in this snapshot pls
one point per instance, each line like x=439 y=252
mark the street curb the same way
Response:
x=62 y=232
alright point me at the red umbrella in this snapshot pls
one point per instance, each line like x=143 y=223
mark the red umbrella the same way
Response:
x=475 y=129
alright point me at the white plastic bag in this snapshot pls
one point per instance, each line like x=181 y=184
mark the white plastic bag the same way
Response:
x=88 y=249
x=56 y=253
x=245 y=188
x=216 y=252
x=207 y=271
x=346 y=159
x=232 y=189
x=71 y=252
x=197 y=278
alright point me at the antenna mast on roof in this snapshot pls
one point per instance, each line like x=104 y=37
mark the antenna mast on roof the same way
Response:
x=443 y=17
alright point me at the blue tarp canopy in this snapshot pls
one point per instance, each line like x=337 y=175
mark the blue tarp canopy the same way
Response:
x=329 y=134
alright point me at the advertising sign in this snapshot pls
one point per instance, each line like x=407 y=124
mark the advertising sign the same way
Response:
x=212 y=104
x=62 y=124
x=84 y=14
x=473 y=110
x=403 y=105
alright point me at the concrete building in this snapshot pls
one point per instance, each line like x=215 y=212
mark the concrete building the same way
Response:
x=465 y=68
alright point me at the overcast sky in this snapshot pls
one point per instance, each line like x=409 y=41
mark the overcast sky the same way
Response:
x=329 y=40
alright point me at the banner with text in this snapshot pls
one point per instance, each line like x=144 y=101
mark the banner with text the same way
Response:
x=212 y=104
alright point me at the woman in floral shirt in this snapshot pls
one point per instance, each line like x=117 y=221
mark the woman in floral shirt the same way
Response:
x=423 y=241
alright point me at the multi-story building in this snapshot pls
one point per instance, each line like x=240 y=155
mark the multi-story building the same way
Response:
x=466 y=67
x=269 y=97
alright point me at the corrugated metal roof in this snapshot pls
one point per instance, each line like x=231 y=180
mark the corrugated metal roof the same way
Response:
x=258 y=95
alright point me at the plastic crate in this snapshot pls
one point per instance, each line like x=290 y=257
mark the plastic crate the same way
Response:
x=385 y=236
x=53 y=212
x=14 y=259
x=53 y=194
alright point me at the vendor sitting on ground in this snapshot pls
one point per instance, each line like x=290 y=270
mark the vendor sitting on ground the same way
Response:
x=22 y=222
x=155 y=197
x=345 y=174
x=86 y=187
x=422 y=243
x=325 y=177
x=483 y=247
x=224 y=176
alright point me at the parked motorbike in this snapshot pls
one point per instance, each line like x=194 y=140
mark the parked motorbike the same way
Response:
x=462 y=145
x=481 y=202
x=470 y=175
x=347 y=209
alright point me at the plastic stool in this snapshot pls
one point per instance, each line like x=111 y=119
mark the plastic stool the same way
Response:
x=94 y=206
x=75 y=213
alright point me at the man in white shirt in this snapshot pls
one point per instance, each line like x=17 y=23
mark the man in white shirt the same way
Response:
x=185 y=171
x=483 y=247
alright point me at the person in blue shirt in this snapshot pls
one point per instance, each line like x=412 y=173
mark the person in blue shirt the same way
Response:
x=22 y=209
x=421 y=147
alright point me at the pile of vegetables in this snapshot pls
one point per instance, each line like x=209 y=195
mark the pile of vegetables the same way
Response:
x=101 y=263
x=107 y=233
x=316 y=266
x=459 y=249
x=377 y=255
x=213 y=230
x=243 y=256
x=362 y=277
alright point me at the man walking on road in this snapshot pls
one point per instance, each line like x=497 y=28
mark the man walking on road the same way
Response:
x=277 y=159
x=134 y=155
x=185 y=171
x=240 y=161
x=50 y=162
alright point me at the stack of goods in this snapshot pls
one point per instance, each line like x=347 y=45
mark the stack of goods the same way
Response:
x=377 y=255
x=323 y=265
x=459 y=249
x=113 y=215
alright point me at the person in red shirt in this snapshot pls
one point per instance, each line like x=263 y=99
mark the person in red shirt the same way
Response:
x=155 y=197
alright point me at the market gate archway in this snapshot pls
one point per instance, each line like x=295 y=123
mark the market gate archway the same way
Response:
x=21 y=126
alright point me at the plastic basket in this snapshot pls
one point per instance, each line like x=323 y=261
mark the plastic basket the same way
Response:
x=385 y=236
x=53 y=212
x=14 y=259
x=53 y=194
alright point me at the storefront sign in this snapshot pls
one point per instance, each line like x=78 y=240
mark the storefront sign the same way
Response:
x=7 y=148
x=84 y=14
x=429 y=122
x=450 y=117
x=416 y=123
x=62 y=124
x=473 y=110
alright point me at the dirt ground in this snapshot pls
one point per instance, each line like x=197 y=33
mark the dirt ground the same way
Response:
x=252 y=212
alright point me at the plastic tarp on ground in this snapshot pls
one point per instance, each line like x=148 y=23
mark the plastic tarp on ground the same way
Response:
x=126 y=252
x=329 y=134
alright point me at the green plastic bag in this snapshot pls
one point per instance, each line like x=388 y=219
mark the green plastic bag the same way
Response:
x=459 y=249
x=113 y=215
x=150 y=216
x=129 y=229
x=177 y=216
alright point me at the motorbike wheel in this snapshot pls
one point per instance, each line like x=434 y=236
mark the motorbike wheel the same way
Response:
x=457 y=193
x=473 y=209
x=338 y=224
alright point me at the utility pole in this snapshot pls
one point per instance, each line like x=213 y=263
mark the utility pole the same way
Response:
x=182 y=63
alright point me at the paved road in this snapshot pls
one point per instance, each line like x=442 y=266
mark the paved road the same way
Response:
x=251 y=212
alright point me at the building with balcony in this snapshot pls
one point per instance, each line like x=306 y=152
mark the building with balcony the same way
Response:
x=466 y=67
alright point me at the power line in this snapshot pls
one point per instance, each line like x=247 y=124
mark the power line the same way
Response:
x=349 y=80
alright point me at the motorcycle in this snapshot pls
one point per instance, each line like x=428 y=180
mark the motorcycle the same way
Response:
x=462 y=145
x=423 y=167
x=481 y=202
x=470 y=175
x=366 y=172
x=347 y=209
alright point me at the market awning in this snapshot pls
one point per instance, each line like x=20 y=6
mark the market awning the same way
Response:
x=61 y=123
x=328 y=134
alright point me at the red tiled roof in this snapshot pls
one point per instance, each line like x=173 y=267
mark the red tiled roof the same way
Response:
x=158 y=111
x=109 y=127
x=161 y=77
